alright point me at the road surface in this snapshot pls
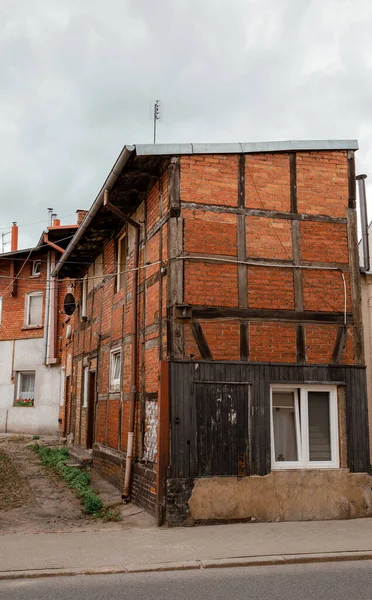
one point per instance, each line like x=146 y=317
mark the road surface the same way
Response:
x=328 y=581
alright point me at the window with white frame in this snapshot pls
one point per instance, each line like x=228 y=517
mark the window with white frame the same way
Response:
x=86 y=387
x=36 y=268
x=25 y=388
x=304 y=427
x=115 y=368
x=121 y=262
x=34 y=309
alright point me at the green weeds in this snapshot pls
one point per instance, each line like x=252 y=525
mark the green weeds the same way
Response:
x=79 y=480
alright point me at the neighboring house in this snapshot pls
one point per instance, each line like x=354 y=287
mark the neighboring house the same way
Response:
x=234 y=387
x=30 y=371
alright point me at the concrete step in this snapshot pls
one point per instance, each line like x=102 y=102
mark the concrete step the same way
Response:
x=81 y=456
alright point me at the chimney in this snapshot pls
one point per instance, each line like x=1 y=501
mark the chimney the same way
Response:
x=81 y=214
x=56 y=222
x=14 y=237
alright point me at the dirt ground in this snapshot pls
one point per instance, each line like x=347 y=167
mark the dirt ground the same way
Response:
x=34 y=500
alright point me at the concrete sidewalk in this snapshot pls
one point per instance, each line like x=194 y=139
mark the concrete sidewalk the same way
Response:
x=27 y=555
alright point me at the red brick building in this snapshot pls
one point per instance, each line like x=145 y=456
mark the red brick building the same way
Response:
x=30 y=305
x=239 y=369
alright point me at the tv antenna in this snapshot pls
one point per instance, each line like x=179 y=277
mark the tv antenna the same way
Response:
x=157 y=115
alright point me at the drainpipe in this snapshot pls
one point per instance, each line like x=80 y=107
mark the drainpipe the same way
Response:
x=361 y=179
x=134 y=361
x=46 y=317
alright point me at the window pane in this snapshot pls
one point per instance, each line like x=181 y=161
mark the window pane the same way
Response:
x=27 y=386
x=115 y=367
x=35 y=310
x=319 y=426
x=285 y=436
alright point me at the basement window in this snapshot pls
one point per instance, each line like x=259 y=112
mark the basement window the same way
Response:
x=34 y=309
x=121 y=262
x=25 y=389
x=304 y=427
x=36 y=268
x=115 y=369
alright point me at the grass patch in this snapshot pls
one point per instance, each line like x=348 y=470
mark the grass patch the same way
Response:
x=79 y=480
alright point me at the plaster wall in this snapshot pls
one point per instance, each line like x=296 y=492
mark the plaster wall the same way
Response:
x=283 y=496
x=43 y=417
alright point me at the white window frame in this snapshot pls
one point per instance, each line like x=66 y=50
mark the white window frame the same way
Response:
x=18 y=382
x=119 y=266
x=115 y=383
x=34 y=272
x=27 y=309
x=302 y=427
x=86 y=387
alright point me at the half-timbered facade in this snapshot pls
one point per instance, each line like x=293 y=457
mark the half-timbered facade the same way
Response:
x=216 y=363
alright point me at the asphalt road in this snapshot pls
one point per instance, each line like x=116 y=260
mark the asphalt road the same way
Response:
x=328 y=581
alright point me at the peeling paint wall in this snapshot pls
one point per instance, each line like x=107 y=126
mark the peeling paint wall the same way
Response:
x=283 y=496
x=151 y=429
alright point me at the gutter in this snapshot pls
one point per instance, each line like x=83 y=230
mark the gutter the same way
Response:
x=116 y=170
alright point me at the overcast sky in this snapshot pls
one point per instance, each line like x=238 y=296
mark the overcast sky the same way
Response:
x=78 y=78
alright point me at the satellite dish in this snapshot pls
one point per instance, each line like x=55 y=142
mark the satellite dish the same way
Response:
x=69 y=304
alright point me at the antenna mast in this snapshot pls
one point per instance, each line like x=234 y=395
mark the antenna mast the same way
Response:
x=157 y=116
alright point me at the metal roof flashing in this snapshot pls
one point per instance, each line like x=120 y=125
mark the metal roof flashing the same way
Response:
x=245 y=148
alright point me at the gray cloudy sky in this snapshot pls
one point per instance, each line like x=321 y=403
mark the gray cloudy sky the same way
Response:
x=78 y=78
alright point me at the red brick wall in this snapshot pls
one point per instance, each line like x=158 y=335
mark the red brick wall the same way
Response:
x=322 y=189
x=12 y=325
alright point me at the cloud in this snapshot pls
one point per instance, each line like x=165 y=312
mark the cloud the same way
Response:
x=78 y=78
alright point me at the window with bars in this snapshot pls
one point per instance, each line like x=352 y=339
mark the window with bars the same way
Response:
x=304 y=427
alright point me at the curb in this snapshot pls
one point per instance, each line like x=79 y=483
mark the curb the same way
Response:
x=223 y=563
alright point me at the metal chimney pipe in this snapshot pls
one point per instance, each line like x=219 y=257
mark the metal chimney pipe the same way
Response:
x=14 y=238
x=361 y=179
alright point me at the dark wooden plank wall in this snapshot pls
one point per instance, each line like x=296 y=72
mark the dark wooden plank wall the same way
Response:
x=184 y=375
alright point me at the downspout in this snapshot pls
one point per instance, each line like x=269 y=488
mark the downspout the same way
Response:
x=46 y=318
x=361 y=179
x=134 y=359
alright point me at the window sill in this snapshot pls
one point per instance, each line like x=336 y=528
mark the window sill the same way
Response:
x=27 y=327
x=321 y=466
x=35 y=276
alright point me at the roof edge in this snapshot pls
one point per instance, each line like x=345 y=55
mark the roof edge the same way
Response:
x=246 y=147
x=121 y=161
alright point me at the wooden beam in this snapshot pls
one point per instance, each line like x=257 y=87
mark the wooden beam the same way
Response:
x=306 y=316
x=200 y=340
x=300 y=343
x=351 y=179
x=244 y=341
x=293 y=180
x=355 y=286
x=339 y=345
x=163 y=441
x=174 y=194
x=257 y=212
x=175 y=337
